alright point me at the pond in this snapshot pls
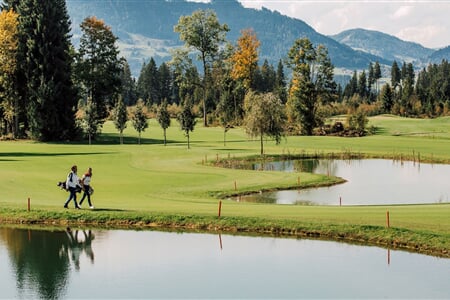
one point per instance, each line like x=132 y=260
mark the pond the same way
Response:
x=150 y=264
x=369 y=182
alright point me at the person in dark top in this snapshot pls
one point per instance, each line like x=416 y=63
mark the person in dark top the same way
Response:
x=72 y=182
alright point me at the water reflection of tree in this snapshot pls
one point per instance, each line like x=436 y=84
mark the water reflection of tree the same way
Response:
x=306 y=165
x=41 y=258
x=319 y=166
x=36 y=260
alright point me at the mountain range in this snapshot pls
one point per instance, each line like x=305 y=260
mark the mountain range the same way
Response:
x=145 y=29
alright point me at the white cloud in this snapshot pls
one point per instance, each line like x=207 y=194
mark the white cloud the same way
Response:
x=402 y=12
x=426 y=34
x=422 y=21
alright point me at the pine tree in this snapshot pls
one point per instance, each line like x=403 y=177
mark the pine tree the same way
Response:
x=396 y=75
x=165 y=82
x=48 y=70
x=387 y=98
x=129 y=93
x=141 y=85
x=153 y=82
x=362 y=85
x=280 y=83
x=352 y=86
x=377 y=74
x=370 y=80
x=312 y=82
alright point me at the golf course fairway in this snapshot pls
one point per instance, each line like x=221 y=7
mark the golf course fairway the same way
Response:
x=152 y=185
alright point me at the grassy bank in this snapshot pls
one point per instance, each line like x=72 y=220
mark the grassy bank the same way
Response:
x=170 y=186
x=413 y=228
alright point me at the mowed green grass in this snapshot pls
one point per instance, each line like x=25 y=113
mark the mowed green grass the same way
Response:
x=172 y=180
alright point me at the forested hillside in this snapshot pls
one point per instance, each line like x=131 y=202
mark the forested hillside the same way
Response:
x=383 y=45
x=145 y=29
x=439 y=55
x=279 y=78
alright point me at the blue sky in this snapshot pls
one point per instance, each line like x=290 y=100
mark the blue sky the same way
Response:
x=425 y=22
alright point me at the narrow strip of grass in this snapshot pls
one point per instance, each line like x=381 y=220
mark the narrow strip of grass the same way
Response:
x=431 y=242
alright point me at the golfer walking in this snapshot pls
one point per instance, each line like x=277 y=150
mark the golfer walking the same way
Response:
x=72 y=183
x=86 y=183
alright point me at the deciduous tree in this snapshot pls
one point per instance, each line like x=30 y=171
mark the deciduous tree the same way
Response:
x=245 y=57
x=226 y=112
x=98 y=65
x=265 y=116
x=139 y=119
x=163 y=118
x=8 y=65
x=120 y=117
x=202 y=32
x=187 y=120
x=185 y=75
x=90 y=122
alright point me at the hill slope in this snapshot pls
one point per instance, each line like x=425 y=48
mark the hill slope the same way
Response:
x=145 y=29
x=383 y=45
x=439 y=55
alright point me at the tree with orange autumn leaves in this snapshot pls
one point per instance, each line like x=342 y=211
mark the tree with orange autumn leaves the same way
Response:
x=245 y=57
x=8 y=63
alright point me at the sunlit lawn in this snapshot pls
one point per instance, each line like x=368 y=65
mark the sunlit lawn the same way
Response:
x=171 y=179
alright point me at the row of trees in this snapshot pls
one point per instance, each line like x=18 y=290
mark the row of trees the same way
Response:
x=156 y=83
x=51 y=91
x=425 y=93
x=428 y=95
x=44 y=79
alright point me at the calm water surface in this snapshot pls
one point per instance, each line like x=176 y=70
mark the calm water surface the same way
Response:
x=148 y=264
x=369 y=182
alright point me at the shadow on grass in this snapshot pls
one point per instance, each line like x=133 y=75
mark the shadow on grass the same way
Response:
x=229 y=149
x=35 y=154
x=111 y=210
x=380 y=130
x=114 y=139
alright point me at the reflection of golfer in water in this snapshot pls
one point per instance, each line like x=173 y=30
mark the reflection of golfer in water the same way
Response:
x=87 y=246
x=77 y=246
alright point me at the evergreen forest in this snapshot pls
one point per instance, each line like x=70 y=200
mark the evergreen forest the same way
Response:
x=52 y=90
